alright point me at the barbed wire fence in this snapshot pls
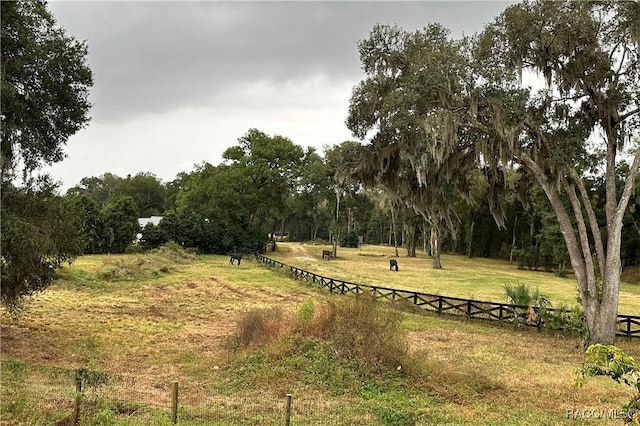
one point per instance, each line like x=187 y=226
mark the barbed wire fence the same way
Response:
x=58 y=396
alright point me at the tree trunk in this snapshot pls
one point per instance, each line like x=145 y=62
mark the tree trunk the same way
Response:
x=411 y=240
x=469 y=244
x=282 y=229
x=334 y=250
x=435 y=248
x=334 y=247
x=424 y=236
x=599 y=301
x=393 y=227
x=513 y=239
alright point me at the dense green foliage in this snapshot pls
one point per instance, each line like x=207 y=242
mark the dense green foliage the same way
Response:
x=437 y=108
x=45 y=83
x=45 y=86
x=120 y=221
x=40 y=231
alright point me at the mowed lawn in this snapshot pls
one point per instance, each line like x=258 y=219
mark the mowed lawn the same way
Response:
x=173 y=322
x=470 y=278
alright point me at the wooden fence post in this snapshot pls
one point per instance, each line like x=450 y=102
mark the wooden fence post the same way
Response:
x=78 y=399
x=628 y=333
x=174 y=402
x=288 y=416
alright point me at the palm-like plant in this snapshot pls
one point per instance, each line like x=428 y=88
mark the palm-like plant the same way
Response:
x=526 y=300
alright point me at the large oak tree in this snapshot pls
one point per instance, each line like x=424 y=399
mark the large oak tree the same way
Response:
x=468 y=99
x=581 y=124
x=45 y=83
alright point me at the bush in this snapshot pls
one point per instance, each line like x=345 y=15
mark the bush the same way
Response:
x=349 y=240
x=611 y=361
x=528 y=258
x=564 y=319
x=259 y=326
x=360 y=327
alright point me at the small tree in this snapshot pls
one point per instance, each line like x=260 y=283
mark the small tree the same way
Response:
x=91 y=225
x=152 y=236
x=522 y=295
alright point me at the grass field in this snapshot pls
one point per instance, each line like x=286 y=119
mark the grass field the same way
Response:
x=148 y=321
x=476 y=278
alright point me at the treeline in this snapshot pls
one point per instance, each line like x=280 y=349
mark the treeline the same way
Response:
x=269 y=187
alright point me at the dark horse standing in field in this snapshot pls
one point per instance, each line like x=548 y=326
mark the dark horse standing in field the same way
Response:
x=235 y=256
x=393 y=265
x=326 y=254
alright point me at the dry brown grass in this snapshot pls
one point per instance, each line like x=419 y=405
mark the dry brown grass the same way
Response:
x=176 y=327
x=506 y=368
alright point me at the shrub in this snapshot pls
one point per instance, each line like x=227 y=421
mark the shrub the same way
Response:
x=611 y=361
x=349 y=240
x=360 y=327
x=524 y=296
x=259 y=326
x=565 y=319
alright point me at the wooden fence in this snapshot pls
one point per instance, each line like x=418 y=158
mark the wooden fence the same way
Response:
x=628 y=325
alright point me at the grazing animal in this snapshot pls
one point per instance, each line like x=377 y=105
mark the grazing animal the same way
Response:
x=393 y=265
x=235 y=256
x=326 y=254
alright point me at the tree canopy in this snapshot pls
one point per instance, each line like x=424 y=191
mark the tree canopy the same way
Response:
x=45 y=83
x=448 y=102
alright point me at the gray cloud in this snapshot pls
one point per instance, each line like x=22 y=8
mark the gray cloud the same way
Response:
x=176 y=83
x=154 y=57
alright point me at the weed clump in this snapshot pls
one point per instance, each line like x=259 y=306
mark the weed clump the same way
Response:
x=148 y=265
x=174 y=253
x=354 y=328
x=259 y=327
x=360 y=327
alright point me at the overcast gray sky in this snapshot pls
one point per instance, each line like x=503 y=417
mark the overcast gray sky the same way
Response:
x=176 y=83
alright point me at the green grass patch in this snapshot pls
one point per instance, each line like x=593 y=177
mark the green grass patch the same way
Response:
x=470 y=278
